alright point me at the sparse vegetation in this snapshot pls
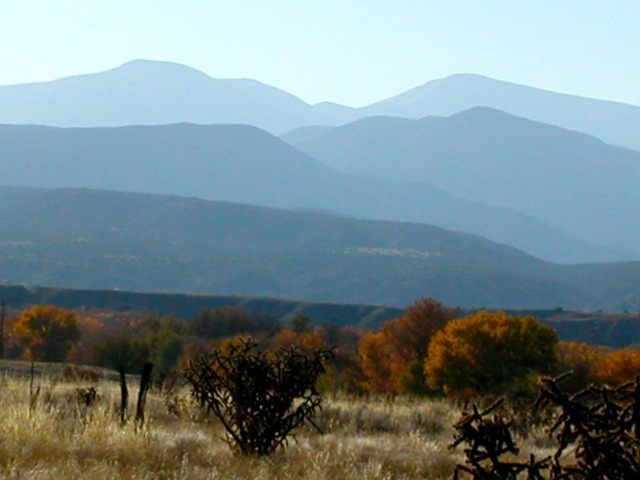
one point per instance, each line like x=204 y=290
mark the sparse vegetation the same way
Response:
x=367 y=438
x=595 y=434
x=69 y=421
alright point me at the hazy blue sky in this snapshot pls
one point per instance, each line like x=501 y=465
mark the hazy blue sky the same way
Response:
x=348 y=51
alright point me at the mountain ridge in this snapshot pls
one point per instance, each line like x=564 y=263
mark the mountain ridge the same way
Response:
x=243 y=164
x=144 y=92
x=80 y=238
x=484 y=154
x=190 y=95
x=459 y=92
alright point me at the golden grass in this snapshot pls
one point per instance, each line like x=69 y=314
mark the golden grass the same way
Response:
x=364 y=439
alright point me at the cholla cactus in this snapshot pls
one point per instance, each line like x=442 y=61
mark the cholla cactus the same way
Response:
x=259 y=396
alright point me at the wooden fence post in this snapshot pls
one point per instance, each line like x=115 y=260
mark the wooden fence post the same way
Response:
x=124 y=395
x=145 y=381
x=2 y=313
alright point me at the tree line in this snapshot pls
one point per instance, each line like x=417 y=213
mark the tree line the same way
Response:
x=427 y=351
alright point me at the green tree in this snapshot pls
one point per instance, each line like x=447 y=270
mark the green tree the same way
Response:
x=122 y=351
x=300 y=323
x=46 y=332
x=153 y=338
x=490 y=353
x=229 y=321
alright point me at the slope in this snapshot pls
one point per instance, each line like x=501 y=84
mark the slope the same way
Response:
x=244 y=164
x=145 y=92
x=612 y=122
x=97 y=239
x=571 y=180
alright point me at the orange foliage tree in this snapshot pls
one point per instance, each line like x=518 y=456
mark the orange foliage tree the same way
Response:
x=489 y=353
x=392 y=359
x=580 y=359
x=378 y=363
x=617 y=367
x=91 y=332
x=46 y=332
x=308 y=341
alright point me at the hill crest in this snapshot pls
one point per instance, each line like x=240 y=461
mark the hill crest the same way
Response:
x=243 y=164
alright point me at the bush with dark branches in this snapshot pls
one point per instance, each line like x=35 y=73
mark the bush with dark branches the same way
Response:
x=597 y=433
x=259 y=396
x=488 y=442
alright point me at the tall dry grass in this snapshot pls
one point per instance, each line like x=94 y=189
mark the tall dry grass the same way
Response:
x=363 y=439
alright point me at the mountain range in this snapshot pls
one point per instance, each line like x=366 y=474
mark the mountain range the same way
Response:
x=571 y=180
x=146 y=92
x=110 y=240
x=613 y=122
x=348 y=205
x=143 y=92
x=239 y=163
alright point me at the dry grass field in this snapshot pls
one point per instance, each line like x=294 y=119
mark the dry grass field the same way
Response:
x=364 y=438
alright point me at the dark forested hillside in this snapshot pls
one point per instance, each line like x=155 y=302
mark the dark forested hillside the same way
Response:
x=96 y=239
x=182 y=305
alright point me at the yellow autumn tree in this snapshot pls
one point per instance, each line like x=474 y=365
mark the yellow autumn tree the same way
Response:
x=393 y=358
x=617 y=367
x=46 y=332
x=489 y=353
x=308 y=341
x=580 y=359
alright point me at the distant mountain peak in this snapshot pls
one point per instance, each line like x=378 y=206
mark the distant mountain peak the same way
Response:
x=151 y=92
x=473 y=79
x=490 y=117
x=459 y=92
x=471 y=76
x=143 y=62
x=483 y=112
x=154 y=92
x=150 y=68
x=460 y=77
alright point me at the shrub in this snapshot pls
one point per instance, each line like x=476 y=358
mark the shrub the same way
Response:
x=490 y=448
x=86 y=396
x=595 y=431
x=259 y=396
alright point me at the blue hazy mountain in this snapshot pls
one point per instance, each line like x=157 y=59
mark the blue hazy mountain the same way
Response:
x=573 y=181
x=102 y=239
x=244 y=164
x=151 y=93
x=612 y=122
x=145 y=92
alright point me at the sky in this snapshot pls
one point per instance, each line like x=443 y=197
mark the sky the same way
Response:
x=353 y=52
